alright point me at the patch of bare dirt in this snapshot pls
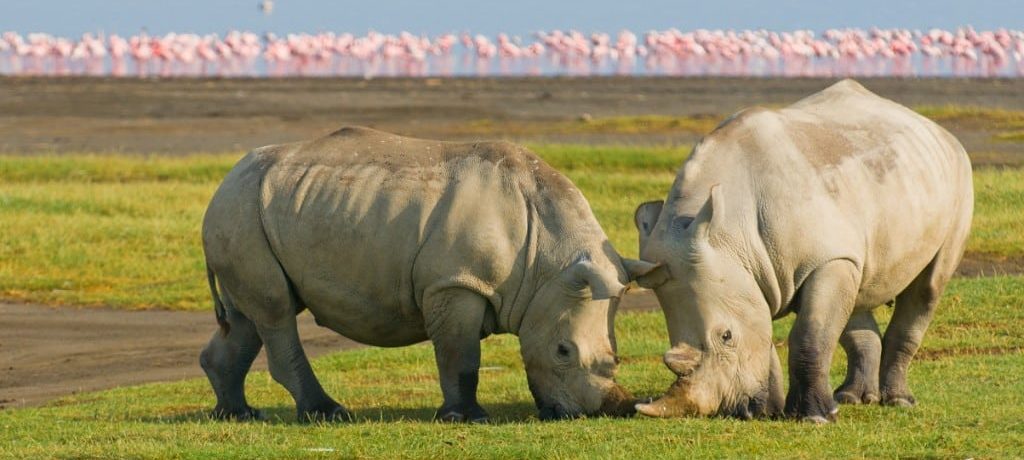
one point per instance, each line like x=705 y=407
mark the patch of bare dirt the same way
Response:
x=180 y=116
x=975 y=265
x=49 y=352
x=935 y=355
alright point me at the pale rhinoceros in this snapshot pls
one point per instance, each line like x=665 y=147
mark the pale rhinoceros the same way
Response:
x=827 y=208
x=390 y=241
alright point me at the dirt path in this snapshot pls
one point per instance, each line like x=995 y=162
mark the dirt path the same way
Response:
x=49 y=352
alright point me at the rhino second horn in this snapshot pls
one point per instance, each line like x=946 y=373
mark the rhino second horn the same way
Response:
x=682 y=360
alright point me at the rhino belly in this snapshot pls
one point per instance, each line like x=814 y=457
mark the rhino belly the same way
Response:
x=369 y=323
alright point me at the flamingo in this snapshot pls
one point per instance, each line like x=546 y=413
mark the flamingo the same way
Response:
x=851 y=51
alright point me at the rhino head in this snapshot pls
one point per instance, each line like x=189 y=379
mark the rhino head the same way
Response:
x=567 y=339
x=719 y=322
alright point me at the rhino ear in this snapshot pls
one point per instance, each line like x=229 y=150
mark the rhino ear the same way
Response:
x=646 y=274
x=703 y=224
x=602 y=287
x=645 y=217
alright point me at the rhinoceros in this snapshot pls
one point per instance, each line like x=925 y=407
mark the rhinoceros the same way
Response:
x=827 y=209
x=391 y=241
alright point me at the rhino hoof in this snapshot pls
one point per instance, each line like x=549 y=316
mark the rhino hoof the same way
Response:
x=466 y=415
x=244 y=415
x=333 y=414
x=815 y=419
x=848 y=397
x=455 y=417
x=900 y=401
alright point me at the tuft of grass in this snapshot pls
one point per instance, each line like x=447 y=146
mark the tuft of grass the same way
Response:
x=969 y=383
x=125 y=231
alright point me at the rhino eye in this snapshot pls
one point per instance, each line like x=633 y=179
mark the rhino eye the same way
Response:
x=727 y=336
x=563 y=350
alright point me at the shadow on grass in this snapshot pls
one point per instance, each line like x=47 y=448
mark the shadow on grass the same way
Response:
x=501 y=413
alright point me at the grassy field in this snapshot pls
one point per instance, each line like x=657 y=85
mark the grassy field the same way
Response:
x=969 y=381
x=124 y=231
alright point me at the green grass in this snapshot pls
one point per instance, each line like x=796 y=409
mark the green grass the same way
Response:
x=977 y=116
x=124 y=231
x=1013 y=136
x=998 y=225
x=969 y=382
x=1006 y=125
x=641 y=124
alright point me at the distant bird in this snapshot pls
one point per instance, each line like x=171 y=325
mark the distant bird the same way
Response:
x=267 y=7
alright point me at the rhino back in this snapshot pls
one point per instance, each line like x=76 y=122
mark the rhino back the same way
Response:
x=840 y=174
x=365 y=222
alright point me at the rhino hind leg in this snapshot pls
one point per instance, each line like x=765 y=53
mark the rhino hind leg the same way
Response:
x=826 y=302
x=454 y=319
x=226 y=361
x=863 y=345
x=912 y=314
x=290 y=367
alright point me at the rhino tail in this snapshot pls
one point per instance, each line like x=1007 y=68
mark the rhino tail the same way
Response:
x=218 y=305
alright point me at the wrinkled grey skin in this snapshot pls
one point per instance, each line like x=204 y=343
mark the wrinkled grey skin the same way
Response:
x=391 y=241
x=827 y=209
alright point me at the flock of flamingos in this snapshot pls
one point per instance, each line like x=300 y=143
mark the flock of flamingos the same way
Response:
x=833 y=52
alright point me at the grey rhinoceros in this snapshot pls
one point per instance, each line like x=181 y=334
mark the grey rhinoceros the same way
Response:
x=827 y=208
x=391 y=241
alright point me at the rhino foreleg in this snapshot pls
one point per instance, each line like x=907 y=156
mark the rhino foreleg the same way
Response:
x=290 y=368
x=825 y=303
x=226 y=361
x=454 y=319
x=863 y=345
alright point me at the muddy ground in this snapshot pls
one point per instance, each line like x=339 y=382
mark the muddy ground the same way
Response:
x=190 y=115
x=49 y=352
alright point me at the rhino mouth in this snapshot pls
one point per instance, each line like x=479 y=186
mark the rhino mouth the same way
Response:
x=547 y=411
x=617 y=402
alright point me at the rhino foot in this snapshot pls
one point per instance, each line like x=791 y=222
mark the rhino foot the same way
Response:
x=332 y=413
x=462 y=414
x=899 y=401
x=846 y=395
x=238 y=415
x=832 y=416
x=815 y=419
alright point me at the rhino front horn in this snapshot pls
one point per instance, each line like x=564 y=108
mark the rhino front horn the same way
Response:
x=664 y=407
